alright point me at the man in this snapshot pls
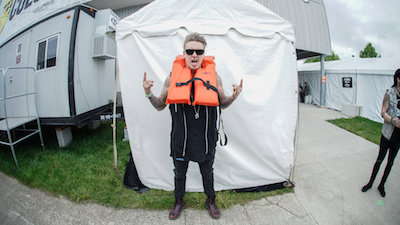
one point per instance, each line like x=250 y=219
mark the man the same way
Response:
x=307 y=98
x=194 y=113
x=306 y=91
x=301 y=92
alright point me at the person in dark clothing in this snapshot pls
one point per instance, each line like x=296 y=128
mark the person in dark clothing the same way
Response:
x=301 y=93
x=390 y=139
x=193 y=90
x=306 y=90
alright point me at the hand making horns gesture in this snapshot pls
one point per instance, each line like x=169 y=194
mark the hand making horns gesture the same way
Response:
x=237 y=89
x=147 y=84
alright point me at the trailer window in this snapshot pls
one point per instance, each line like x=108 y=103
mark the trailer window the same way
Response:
x=41 y=55
x=19 y=49
x=52 y=51
x=47 y=53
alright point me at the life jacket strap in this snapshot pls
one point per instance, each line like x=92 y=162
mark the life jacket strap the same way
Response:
x=220 y=137
x=207 y=84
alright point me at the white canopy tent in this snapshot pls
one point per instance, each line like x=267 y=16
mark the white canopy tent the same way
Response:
x=369 y=79
x=249 y=42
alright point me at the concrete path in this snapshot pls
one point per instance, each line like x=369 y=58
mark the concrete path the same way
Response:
x=332 y=165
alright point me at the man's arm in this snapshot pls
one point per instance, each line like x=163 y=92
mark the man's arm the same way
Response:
x=385 y=105
x=227 y=100
x=157 y=102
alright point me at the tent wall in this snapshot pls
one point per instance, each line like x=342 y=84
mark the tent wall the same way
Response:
x=336 y=94
x=260 y=124
x=371 y=89
x=368 y=89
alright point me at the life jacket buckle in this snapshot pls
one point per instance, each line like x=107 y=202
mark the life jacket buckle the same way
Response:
x=208 y=85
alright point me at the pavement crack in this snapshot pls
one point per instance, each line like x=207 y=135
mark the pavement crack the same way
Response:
x=246 y=213
x=280 y=206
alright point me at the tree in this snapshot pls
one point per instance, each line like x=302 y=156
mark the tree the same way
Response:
x=326 y=58
x=369 y=52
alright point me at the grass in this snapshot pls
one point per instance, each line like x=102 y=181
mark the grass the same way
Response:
x=360 y=126
x=83 y=172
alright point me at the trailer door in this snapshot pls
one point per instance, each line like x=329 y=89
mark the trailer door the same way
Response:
x=17 y=81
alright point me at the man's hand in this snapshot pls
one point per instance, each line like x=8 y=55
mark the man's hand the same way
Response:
x=157 y=102
x=224 y=100
x=237 y=89
x=396 y=122
x=147 y=84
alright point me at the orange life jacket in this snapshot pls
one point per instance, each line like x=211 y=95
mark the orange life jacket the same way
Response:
x=205 y=83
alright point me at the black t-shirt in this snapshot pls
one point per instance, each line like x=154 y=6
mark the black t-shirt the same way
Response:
x=193 y=139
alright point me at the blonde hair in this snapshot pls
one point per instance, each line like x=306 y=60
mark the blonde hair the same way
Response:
x=195 y=37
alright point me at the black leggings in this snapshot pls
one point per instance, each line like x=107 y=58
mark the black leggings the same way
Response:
x=385 y=145
x=180 y=177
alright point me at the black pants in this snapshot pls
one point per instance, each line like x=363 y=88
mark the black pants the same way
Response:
x=207 y=174
x=386 y=145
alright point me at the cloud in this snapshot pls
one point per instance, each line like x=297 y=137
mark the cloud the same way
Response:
x=355 y=23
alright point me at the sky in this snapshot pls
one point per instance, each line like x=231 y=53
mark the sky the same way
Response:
x=355 y=23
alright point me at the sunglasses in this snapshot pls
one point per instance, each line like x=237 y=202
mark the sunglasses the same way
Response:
x=191 y=51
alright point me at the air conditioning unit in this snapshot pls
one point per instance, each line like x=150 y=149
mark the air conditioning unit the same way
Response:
x=104 y=47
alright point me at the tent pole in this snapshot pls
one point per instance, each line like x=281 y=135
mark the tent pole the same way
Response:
x=355 y=88
x=322 y=100
x=291 y=182
x=114 y=126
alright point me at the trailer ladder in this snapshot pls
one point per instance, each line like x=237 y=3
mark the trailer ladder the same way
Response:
x=20 y=119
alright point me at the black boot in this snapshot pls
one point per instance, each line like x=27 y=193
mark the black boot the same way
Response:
x=177 y=209
x=381 y=187
x=366 y=187
x=212 y=207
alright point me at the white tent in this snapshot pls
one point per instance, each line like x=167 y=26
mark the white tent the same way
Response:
x=249 y=42
x=369 y=79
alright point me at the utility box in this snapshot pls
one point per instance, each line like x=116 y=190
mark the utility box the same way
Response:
x=351 y=109
x=106 y=21
x=64 y=135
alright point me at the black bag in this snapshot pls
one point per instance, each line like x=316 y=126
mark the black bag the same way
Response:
x=131 y=178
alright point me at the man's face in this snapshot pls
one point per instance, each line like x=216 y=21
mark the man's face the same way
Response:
x=193 y=61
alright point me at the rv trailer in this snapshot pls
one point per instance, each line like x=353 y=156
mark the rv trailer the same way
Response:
x=74 y=56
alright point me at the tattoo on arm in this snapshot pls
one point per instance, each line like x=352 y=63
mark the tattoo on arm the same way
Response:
x=227 y=101
x=159 y=102
x=385 y=100
x=224 y=100
x=385 y=104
